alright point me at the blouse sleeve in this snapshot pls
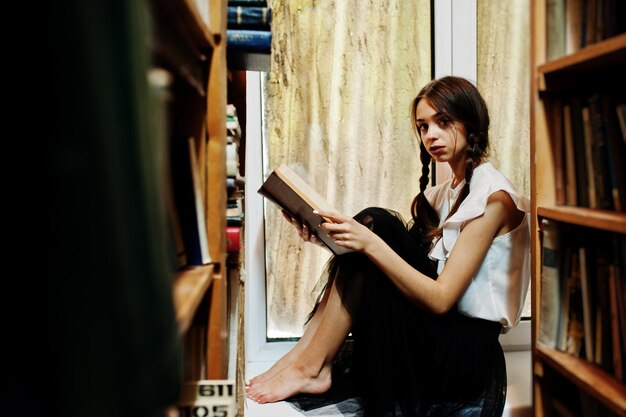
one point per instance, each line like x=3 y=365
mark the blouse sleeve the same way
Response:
x=484 y=183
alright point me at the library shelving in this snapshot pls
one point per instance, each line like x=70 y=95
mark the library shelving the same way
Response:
x=579 y=216
x=189 y=42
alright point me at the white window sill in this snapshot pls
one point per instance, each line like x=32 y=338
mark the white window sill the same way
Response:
x=518 y=398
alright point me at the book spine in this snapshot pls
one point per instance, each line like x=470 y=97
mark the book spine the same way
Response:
x=550 y=284
x=249 y=17
x=233 y=239
x=555 y=29
x=249 y=40
x=257 y=3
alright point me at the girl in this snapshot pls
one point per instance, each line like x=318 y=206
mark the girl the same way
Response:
x=425 y=302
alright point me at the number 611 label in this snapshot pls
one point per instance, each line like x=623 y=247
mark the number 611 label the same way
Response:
x=207 y=398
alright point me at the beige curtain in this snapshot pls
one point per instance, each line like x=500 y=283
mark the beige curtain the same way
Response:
x=503 y=76
x=342 y=76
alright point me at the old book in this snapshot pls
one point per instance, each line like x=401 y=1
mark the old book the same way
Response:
x=291 y=193
x=555 y=29
x=558 y=148
x=249 y=40
x=588 y=302
x=189 y=202
x=580 y=156
x=571 y=190
x=249 y=17
x=550 y=284
x=588 y=141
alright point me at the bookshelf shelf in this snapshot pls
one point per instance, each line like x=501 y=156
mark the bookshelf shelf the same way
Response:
x=190 y=286
x=588 y=377
x=597 y=219
x=578 y=264
x=596 y=56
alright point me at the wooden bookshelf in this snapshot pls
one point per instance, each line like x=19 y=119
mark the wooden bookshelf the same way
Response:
x=191 y=45
x=190 y=286
x=587 y=376
x=567 y=383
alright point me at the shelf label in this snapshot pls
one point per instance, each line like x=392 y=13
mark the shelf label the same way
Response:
x=208 y=398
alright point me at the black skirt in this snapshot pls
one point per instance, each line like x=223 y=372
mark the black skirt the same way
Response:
x=400 y=359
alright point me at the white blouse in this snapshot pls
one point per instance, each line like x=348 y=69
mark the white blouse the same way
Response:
x=498 y=290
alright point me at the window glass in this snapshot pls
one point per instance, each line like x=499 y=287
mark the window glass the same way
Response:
x=338 y=93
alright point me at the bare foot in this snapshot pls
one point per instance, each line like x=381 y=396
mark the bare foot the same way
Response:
x=277 y=367
x=292 y=379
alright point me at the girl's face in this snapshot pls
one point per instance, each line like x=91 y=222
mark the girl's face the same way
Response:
x=444 y=139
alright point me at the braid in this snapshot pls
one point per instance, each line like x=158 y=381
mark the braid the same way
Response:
x=425 y=159
x=425 y=217
x=473 y=158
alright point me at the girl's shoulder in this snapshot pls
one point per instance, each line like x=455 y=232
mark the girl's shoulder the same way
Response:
x=486 y=181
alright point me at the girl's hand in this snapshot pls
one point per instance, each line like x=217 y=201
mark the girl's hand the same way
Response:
x=347 y=232
x=303 y=230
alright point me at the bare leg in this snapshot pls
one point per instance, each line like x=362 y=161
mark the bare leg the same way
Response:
x=309 y=369
x=289 y=357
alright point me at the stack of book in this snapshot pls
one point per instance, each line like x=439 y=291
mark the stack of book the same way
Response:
x=249 y=26
x=234 y=181
x=589 y=145
x=583 y=297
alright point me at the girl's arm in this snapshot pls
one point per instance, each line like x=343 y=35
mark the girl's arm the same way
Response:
x=463 y=263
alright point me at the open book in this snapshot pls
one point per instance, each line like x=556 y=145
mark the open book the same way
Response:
x=291 y=193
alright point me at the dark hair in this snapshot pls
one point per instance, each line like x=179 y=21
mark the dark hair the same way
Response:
x=460 y=101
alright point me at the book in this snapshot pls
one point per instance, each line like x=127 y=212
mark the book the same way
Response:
x=292 y=194
x=558 y=149
x=249 y=17
x=588 y=302
x=555 y=29
x=233 y=239
x=249 y=40
x=189 y=202
x=588 y=140
x=601 y=176
x=580 y=158
x=616 y=151
x=574 y=21
x=571 y=189
x=247 y=3
x=574 y=332
x=550 y=284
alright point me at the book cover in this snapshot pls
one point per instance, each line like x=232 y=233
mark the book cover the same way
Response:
x=249 y=17
x=574 y=334
x=555 y=29
x=558 y=147
x=233 y=238
x=188 y=199
x=571 y=189
x=616 y=152
x=580 y=158
x=574 y=22
x=599 y=154
x=248 y=40
x=292 y=194
x=550 y=284
x=247 y=3
x=588 y=302
x=589 y=161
